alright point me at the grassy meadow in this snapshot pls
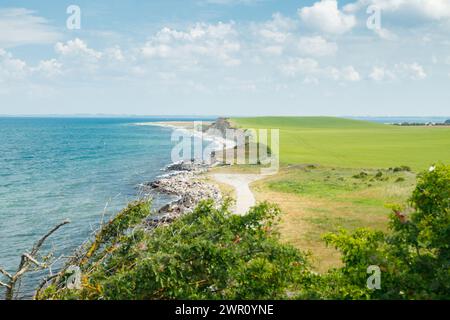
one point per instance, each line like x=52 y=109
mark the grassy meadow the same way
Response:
x=353 y=143
x=341 y=173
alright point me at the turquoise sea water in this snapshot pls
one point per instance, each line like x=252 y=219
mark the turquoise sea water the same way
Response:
x=52 y=169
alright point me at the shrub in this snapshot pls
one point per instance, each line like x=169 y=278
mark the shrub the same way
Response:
x=414 y=256
x=208 y=254
x=402 y=169
x=360 y=175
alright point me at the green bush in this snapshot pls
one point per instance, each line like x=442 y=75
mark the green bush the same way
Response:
x=208 y=254
x=414 y=257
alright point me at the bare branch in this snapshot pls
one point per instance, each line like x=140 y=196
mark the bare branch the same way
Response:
x=5 y=285
x=25 y=263
x=5 y=273
x=26 y=255
x=41 y=241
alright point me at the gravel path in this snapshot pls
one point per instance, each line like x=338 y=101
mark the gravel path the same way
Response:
x=240 y=182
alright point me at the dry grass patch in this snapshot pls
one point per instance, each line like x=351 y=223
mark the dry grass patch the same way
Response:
x=317 y=200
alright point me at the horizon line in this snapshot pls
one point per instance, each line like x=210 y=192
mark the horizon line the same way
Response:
x=209 y=115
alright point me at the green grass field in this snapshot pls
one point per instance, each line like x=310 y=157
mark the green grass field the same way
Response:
x=335 y=173
x=354 y=144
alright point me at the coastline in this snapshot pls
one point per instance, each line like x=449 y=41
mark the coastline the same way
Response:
x=183 y=179
x=188 y=127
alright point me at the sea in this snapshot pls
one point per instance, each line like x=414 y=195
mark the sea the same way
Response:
x=81 y=169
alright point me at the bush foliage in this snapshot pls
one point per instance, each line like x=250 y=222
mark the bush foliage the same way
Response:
x=209 y=254
x=414 y=256
x=212 y=254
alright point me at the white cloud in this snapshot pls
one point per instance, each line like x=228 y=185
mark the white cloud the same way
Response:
x=49 y=68
x=381 y=74
x=272 y=37
x=426 y=9
x=411 y=71
x=215 y=41
x=20 y=26
x=385 y=34
x=12 y=68
x=325 y=16
x=350 y=74
x=77 y=48
x=279 y=23
x=317 y=46
x=300 y=66
x=276 y=36
x=115 y=54
x=311 y=70
x=273 y=50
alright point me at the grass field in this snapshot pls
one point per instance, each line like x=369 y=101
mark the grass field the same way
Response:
x=354 y=144
x=317 y=200
x=335 y=173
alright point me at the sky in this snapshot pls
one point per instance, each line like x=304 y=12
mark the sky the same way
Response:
x=225 y=57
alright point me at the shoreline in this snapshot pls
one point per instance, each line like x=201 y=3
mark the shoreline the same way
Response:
x=182 y=179
x=189 y=128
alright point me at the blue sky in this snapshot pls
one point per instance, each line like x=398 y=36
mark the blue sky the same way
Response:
x=226 y=57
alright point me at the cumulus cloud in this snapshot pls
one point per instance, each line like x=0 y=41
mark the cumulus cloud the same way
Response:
x=310 y=69
x=381 y=74
x=215 y=41
x=279 y=24
x=12 y=68
x=411 y=71
x=20 y=26
x=77 y=48
x=272 y=37
x=325 y=16
x=300 y=66
x=317 y=46
x=350 y=74
x=115 y=54
x=49 y=68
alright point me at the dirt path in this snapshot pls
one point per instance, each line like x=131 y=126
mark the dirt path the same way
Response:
x=241 y=183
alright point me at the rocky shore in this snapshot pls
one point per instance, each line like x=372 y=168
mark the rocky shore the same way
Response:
x=182 y=181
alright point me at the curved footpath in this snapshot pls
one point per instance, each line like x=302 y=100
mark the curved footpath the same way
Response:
x=241 y=183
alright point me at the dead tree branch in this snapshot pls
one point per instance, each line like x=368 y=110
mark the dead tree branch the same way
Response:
x=27 y=260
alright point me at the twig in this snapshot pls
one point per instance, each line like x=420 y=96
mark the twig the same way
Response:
x=39 y=264
x=39 y=244
x=25 y=263
x=4 y=272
